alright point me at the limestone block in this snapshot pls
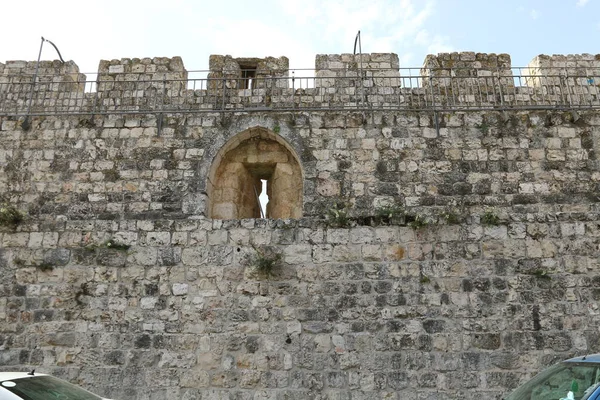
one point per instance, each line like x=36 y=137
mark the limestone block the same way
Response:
x=143 y=256
x=180 y=289
x=297 y=254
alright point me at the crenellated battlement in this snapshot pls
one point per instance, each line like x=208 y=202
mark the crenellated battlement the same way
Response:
x=447 y=81
x=487 y=70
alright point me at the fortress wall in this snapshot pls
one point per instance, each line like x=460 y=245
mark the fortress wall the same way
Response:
x=439 y=255
x=380 y=308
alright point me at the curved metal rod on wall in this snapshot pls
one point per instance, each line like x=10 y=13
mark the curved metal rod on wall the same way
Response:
x=25 y=125
x=357 y=40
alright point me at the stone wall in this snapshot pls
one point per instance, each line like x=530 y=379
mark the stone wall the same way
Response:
x=231 y=73
x=57 y=84
x=447 y=81
x=138 y=82
x=487 y=70
x=459 y=307
x=438 y=255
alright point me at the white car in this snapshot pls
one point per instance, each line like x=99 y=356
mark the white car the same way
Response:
x=34 y=386
x=574 y=379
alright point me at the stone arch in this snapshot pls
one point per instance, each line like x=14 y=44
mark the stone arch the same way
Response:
x=234 y=179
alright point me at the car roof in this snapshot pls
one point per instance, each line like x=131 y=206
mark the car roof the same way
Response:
x=7 y=376
x=591 y=358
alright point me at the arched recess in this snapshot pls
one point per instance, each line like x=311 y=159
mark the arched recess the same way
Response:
x=234 y=180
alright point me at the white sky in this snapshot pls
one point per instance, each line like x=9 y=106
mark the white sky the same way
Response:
x=86 y=31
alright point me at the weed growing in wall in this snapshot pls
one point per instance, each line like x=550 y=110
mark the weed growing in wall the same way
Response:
x=489 y=217
x=266 y=260
x=112 y=244
x=109 y=244
x=45 y=266
x=417 y=221
x=9 y=215
x=483 y=127
x=19 y=262
x=337 y=215
x=450 y=217
x=391 y=214
x=111 y=175
x=541 y=273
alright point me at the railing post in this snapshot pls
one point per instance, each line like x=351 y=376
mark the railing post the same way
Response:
x=563 y=96
x=164 y=93
x=25 y=125
x=500 y=87
x=569 y=97
x=96 y=95
x=293 y=89
x=159 y=119
x=431 y=89
x=223 y=95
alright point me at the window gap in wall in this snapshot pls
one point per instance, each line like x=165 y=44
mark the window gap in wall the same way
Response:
x=264 y=197
x=248 y=76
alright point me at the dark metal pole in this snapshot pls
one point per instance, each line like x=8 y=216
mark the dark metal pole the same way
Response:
x=362 y=91
x=25 y=125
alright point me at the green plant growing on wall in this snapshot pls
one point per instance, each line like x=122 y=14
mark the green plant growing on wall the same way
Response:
x=337 y=215
x=450 y=217
x=109 y=244
x=45 y=266
x=483 y=127
x=266 y=260
x=390 y=213
x=9 y=215
x=19 y=262
x=86 y=123
x=277 y=128
x=541 y=273
x=111 y=175
x=113 y=244
x=418 y=221
x=489 y=217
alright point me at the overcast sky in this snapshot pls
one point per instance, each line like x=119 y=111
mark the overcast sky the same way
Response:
x=87 y=31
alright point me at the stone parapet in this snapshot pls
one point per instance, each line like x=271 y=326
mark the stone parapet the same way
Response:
x=342 y=71
x=483 y=69
x=140 y=83
x=446 y=81
x=567 y=65
x=247 y=73
x=55 y=82
x=565 y=74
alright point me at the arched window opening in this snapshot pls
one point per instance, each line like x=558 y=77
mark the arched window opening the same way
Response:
x=255 y=168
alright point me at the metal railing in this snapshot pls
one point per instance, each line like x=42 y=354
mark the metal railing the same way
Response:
x=407 y=89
